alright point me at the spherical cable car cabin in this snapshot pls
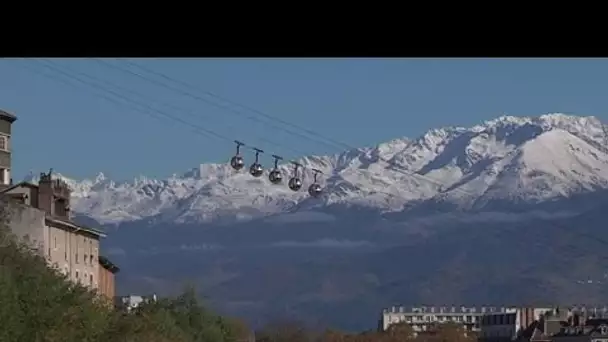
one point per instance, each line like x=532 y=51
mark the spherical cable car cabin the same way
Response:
x=256 y=169
x=275 y=175
x=237 y=162
x=295 y=183
x=315 y=189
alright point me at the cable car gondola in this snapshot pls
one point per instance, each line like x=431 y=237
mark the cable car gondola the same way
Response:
x=256 y=169
x=315 y=189
x=237 y=162
x=295 y=183
x=275 y=175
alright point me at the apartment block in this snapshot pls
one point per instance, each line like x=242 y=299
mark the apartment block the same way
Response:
x=42 y=214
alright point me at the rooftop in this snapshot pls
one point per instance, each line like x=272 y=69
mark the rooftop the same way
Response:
x=75 y=226
x=107 y=264
x=7 y=116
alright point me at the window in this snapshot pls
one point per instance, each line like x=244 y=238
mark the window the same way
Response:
x=91 y=259
x=76 y=275
x=3 y=143
x=60 y=207
x=91 y=279
x=85 y=259
x=55 y=238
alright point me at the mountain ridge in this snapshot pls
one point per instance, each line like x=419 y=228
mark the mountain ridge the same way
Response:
x=507 y=158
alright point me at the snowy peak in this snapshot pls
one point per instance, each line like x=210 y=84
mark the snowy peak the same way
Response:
x=507 y=158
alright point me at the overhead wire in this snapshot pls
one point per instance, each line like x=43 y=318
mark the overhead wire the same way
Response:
x=204 y=100
x=166 y=104
x=201 y=130
x=238 y=104
x=65 y=80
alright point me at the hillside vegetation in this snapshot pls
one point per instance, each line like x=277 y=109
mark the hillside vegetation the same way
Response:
x=39 y=304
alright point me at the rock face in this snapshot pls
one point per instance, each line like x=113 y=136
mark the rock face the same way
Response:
x=511 y=211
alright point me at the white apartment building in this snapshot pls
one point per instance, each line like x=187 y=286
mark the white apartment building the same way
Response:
x=421 y=317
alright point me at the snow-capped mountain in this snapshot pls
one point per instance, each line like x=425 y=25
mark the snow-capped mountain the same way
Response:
x=524 y=159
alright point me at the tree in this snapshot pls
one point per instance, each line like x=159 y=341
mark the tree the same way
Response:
x=447 y=332
x=399 y=332
x=284 y=331
x=39 y=304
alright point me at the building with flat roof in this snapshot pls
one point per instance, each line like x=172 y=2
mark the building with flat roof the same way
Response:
x=6 y=123
x=421 y=318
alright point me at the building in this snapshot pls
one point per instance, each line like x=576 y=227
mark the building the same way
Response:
x=6 y=123
x=107 y=285
x=572 y=325
x=491 y=324
x=422 y=318
x=132 y=302
x=41 y=214
x=511 y=324
x=592 y=330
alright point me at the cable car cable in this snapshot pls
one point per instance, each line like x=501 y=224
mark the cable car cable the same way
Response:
x=201 y=129
x=102 y=95
x=207 y=101
x=246 y=107
x=174 y=107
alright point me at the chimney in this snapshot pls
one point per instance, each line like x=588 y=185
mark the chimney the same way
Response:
x=45 y=193
x=54 y=196
x=583 y=319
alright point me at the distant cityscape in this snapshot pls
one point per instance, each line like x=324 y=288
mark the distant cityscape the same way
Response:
x=537 y=324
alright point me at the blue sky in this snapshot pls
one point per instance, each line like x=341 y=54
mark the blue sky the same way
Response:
x=357 y=101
